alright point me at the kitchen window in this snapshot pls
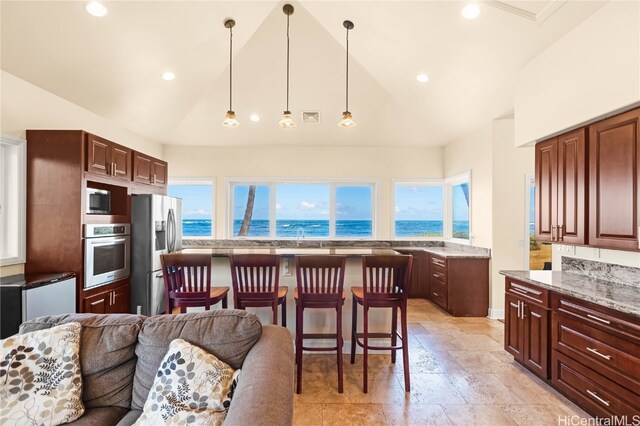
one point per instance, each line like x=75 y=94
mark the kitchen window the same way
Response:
x=197 y=206
x=459 y=206
x=418 y=209
x=12 y=200
x=302 y=209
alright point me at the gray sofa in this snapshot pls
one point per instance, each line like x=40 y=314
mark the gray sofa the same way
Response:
x=120 y=355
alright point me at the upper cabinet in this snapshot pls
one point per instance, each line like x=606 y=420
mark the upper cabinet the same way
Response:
x=614 y=181
x=108 y=158
x=149 y=170
x=560 y=189
x=588 y=185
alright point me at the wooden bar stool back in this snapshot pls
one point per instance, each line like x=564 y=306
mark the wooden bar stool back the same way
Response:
x=385 y=280
x=320 y=284
x=187 y=283
x=256 y=283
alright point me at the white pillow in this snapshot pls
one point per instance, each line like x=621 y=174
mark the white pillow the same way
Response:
x=191 y=387
x=40 y=377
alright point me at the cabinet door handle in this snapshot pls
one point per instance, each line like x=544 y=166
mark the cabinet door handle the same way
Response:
x=595 y=395
x=595 y=351
x=553 y=233
x=114 y=168
x=561 y=233
x=593 y=317
x=518 y=314
x=522 y=311
x=154 y=178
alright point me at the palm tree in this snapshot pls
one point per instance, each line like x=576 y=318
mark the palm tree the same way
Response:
x=248 y=212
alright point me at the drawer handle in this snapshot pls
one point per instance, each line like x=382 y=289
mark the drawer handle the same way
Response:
x=515 y=290
x=436 y=294
x=525 y=289
x=438 y=275
x=437 y=262
x=593 y=317
x=594 y=395
x=595 y=351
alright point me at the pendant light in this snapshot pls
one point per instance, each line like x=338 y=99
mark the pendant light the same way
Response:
x=230 y=120
x=347 y=120
x=287 y=120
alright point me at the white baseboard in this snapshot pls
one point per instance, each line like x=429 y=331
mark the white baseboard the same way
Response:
x=496 y=314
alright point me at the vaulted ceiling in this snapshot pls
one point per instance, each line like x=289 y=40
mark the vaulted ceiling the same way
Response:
x=113 y=65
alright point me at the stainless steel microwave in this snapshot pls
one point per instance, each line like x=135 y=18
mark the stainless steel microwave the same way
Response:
x=98 y=201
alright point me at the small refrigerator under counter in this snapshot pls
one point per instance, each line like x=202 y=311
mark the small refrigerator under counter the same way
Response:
x=25 y=297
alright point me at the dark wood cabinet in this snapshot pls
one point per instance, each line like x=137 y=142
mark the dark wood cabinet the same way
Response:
x=149 y=170
x=595 y=359
x=527 y=326
x=614 y=181
x=460 y=285
x=560 y=189
x=107 y=158
x=109 y=299
x=419 y=281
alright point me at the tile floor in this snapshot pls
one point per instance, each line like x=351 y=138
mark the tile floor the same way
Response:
x=460 y=375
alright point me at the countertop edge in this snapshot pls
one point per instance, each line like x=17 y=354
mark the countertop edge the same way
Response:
x=606 y=303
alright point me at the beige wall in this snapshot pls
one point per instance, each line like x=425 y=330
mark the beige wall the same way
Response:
x=510 y=218
x=25 y=106
x=591 y=71
x=380 y=164
x=473 y=153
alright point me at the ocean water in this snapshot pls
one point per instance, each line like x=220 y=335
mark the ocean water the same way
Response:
x=320 y=228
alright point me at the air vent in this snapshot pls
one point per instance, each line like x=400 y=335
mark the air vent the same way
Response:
x=310 y=117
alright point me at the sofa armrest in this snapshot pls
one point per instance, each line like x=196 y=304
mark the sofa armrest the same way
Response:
x=264 y=395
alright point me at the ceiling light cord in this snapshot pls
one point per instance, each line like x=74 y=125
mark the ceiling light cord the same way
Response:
x=347 y=91
x=287 y=62
x=230 y=69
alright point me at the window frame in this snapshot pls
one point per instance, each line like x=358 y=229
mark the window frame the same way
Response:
x=272 y=183
x=416 y=182
x=449 y=183
x=19 y=254
x=202 y=181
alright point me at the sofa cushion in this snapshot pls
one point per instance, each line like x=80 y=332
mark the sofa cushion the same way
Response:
x=191 y=387
x=130 y=418
x=107 y=354
x=227 y=334
x=103 y=416
x=40 y=380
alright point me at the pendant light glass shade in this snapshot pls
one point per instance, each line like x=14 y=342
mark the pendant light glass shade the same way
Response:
x=230 y=120
x=347 y=119
x=287 y=119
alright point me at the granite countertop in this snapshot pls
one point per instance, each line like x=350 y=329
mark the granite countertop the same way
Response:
x=610 y=294
x=290 y=251
x=34 y=280
x=449 y=252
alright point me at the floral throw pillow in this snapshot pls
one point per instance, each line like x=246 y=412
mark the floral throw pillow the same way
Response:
x=40 y=377
x=191 y=387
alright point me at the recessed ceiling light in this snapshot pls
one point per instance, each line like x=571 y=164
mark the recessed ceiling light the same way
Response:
x=422 y=78
x=254 y=117
x=168 y=75
x=471 y=11
x=96 y=8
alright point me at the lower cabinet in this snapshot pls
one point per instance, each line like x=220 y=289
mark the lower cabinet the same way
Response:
x=419 y=281
x=527 y=326
x=460 y=285
x=110 y=299
x=589 y=353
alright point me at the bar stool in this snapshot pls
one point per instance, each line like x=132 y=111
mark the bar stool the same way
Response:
x=320 y=282
x=385 y=280
x=255 y=279
x=187 y=283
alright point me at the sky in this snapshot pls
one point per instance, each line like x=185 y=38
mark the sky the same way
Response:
x=196 y=200
x=418 y=202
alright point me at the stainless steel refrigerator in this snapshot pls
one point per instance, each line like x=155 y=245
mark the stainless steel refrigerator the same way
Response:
x=156 y=229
